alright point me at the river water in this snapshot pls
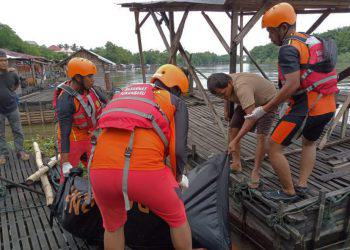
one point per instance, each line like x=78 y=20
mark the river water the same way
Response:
x=38 y=132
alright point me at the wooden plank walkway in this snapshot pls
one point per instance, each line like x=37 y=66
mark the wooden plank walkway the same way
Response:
x=24 y=217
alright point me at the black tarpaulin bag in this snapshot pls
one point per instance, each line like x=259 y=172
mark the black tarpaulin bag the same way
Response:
x=73 y=211
x=206 y=202
x=145 y=230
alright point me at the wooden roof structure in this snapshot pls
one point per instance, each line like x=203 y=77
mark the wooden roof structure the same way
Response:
x=247 y=6
x=162 y=13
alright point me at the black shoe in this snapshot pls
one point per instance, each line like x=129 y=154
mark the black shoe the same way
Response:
x=301 y=191
x=279 y=195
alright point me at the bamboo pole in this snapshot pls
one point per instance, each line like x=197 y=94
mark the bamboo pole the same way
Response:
x=36 y=176
x=44 y=180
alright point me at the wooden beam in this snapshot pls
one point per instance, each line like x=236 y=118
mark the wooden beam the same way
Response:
x=160 y=30
x=139 y=41
x=250 y=56
x=241 y=44
x=172 y=34
x=198 y=83
x=176 y=41
x=251 y=23
x=319 y=219
x=216 y=32
x=145 y=19
x=233 y=45
x=319 y=21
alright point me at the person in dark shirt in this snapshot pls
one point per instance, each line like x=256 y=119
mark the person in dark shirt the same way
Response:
x=311 y=96
x=78 y=106
x=9 y=82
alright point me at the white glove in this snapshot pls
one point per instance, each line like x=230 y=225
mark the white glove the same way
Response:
x=257 y=113
x=66 y=167
x=184 y=182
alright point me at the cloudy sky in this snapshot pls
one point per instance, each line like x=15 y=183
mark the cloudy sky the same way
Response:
x=92 y=23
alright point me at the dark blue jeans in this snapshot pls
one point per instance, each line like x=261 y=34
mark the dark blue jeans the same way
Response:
x=15 y=124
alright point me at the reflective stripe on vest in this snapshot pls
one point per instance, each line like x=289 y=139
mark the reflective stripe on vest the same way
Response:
x=324 y=83
x=144 y=115
x=90 y=109
x=143 y=100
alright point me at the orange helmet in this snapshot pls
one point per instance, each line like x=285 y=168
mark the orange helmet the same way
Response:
x=80 y=66
x=278 y=14
x=171 y=76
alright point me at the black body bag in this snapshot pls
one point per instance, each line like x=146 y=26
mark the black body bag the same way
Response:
x=73 y=211
x=207 y=206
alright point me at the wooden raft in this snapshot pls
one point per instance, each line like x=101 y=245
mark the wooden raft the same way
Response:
x=302 y=225
x=24 y=217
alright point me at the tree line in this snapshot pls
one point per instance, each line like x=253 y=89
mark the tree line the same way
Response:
x=263 y=54
x=269 y=53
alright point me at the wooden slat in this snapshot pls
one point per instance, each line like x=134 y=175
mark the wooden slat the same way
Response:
x=28 y=228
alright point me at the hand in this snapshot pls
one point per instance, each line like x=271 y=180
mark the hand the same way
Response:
x=257 y=113
x=66 y=167
x=232 y=146
x=184 y=182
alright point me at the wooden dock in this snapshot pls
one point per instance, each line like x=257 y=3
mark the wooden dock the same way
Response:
x=302 y=225
x=319 y=220
x=24 y=217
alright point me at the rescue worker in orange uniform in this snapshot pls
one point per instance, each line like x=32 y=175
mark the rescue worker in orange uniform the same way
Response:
x=311 y=93
x=78 y=106
x=141 y=126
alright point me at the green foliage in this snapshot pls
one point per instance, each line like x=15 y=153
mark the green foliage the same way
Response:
x=269 y=53
x=341 y=37
x=115 y=53
x=265 y=54
x=11 y=41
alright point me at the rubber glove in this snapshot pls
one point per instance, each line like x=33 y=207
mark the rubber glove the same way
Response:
x=66 y=167
x=257 y=113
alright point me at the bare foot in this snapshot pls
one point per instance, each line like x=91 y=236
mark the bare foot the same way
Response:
x=254 y=179
x=236 y=167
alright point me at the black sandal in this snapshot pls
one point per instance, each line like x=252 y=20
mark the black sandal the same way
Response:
x=279 y=195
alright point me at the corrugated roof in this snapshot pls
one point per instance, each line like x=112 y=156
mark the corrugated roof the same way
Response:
x=16 y=55
x=88 y=51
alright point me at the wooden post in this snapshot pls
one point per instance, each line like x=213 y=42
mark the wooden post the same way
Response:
x=318 y=224
x=172 y=34
x=41 y=113
x=108 y=83
x=190 y=79
x=241 y=45
x=176 y=39
x=27 y=113
x=198 y=82
x=230 y=106
x=139 y=40
x=244 y=30
x=33 y=72
x=250 y=56
x=233 y=45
